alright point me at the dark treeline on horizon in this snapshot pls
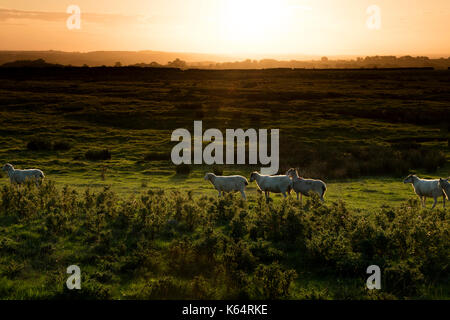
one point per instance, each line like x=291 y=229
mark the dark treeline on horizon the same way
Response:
x=326 y=63
x=35 y=59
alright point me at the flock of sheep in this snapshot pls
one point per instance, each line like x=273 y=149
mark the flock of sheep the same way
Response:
x=277 y=184
x=292 y=181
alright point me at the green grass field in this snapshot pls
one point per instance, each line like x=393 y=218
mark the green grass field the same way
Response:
x=363 y=193
x=329 y=111
x=361 y=131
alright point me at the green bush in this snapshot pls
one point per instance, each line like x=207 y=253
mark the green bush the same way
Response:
x=156 y=156
x=218 y=170
x=39 y=144
x=183 y=169
x=170 y=245
x=272 y=282
x=42 y=144
x=98 y=155
x=338 y=162
x=62 y=145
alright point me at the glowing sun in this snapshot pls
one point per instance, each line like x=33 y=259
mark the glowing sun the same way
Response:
x=250 y=22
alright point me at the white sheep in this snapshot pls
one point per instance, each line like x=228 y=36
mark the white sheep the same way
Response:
x=228 y=183
x=426 y=188
x=305 y=186
x=20 y=176
x=277 y=184
x=445 y=186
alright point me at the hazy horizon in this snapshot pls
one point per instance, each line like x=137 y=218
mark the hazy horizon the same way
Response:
x=246 y=28
x=220 y=58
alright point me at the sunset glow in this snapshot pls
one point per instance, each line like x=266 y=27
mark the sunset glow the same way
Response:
x=270 y=27
x=252 y=22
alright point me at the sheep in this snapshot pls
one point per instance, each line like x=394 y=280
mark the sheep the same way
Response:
x=20 y=176
x=445 y=186
x=278 y=184
x=305 y=186
x=228 y=183
x=426 y=188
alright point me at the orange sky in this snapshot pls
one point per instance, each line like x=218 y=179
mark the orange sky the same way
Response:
x=323 y=27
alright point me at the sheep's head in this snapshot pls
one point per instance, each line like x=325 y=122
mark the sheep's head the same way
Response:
x=410 y=178
x=208 y=176
x=253 y=176
x=291 y=172
x=443 y=182
x=8 y=167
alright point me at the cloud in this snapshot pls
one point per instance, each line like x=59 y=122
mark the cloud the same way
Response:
x=9 y=15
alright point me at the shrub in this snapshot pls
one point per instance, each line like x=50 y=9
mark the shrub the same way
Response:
x=62 y=146
x=182 y=258
x=219 y=248
x=272 y=282
x=12 y=269
x=201 y=289
x=163 y=288
x=39 y=144
x=403 y=279
x=98 y=155
x=218 y=170
x=183 y=169
x=433 y=159
x=156 y=156
x=337 y=162
x=91 y=290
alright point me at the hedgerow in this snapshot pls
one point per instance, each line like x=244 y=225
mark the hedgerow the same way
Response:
x=171 y=245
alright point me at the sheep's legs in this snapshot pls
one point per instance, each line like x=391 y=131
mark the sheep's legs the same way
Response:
x=297 y=195
x=443 y=200
x=423 y=201
x=434 y=204
x=220 y=193
x=243 y=195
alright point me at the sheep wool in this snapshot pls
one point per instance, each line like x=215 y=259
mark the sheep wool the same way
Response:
x=426 y=188
x=20 y=176
x=228 y=183
x=277 y=184
x=304 y=187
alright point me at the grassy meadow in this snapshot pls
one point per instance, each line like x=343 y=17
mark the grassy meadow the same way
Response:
x=361 y=131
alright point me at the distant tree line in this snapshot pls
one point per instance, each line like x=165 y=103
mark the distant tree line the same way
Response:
x=323 y=63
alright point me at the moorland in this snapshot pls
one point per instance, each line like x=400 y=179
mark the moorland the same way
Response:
x=141 y=227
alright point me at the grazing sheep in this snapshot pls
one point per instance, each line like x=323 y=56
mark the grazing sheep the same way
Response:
x=228 y=184
x=305 y=186
x=426 y=188
x=278 y=184
x=20 y=176
x=445 y=186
